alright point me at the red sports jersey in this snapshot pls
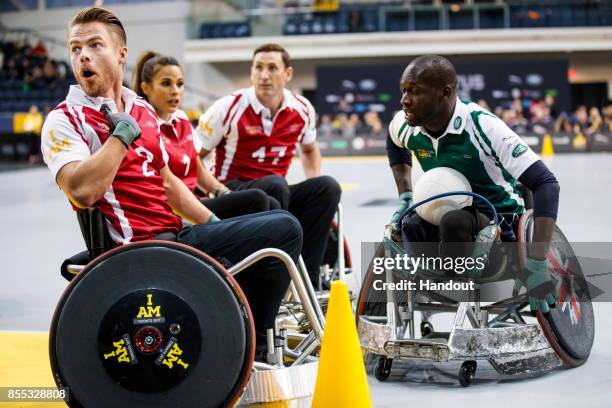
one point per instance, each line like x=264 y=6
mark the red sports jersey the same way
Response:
x=177 y=135
x=134 y=206
x=250 y=144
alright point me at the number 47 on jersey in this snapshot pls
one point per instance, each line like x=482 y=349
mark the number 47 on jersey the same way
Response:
x=276 y=152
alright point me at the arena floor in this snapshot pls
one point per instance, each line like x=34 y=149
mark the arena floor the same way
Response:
x=40 y=231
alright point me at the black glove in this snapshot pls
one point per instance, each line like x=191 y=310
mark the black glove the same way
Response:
x=122 y=126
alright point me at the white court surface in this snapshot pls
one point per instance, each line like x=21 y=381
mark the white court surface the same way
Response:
x=39 y=230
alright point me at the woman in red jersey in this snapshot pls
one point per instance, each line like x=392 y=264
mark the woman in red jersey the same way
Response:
x=159 y=80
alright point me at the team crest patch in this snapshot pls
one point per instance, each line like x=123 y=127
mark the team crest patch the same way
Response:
x=205 y=127
x=252 y=130
x=518 y=150
x=423 y=154
x=457 y=122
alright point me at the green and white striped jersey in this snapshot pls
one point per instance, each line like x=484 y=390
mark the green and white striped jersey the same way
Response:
x=477 y=144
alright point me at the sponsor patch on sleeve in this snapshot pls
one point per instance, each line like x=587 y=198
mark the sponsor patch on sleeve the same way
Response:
x=518 y=150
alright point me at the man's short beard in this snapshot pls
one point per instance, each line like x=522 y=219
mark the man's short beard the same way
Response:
x=93 y=90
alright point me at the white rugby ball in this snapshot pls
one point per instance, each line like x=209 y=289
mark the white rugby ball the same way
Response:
x=437 y=181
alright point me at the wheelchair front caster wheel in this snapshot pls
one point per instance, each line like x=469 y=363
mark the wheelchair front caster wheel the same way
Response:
x=383 y=368
x=467 y=373
x=426 y=329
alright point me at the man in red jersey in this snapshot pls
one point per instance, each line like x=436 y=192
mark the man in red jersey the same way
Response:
x=256 y=131
x=103 y=146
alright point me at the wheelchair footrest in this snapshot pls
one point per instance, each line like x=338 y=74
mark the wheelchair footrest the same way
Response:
x=472 y=344
x=534 y=362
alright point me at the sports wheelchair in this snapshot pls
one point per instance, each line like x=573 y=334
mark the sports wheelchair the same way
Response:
x=161 y=324
x=501 y=333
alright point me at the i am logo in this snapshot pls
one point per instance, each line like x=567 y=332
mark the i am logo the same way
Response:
x=120 y=352
x=149 y=311
x=174 y=356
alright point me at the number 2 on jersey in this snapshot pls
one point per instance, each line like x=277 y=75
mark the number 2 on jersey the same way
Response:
x=142 y=152
x=260 y=154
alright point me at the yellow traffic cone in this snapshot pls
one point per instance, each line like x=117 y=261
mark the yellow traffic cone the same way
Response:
x=547 y=146
x=341 y=380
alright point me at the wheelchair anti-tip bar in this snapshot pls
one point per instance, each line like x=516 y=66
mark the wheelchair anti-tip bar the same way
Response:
x=414 y=206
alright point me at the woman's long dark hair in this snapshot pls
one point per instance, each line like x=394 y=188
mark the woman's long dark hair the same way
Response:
x=146 y=67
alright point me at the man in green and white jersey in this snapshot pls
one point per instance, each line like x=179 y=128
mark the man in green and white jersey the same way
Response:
x=443 y=131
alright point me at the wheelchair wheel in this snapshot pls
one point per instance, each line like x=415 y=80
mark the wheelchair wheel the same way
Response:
x=570 y=326
x=369 y=301
x=152 y=324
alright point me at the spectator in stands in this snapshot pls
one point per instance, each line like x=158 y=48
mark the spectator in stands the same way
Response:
x=33 y=121
x=517 y=105
x=39 y=50
x=551 y=104
x=595 y=121
x=34 y=79
x=346 y=128
x=607 y=117
x=325 y=128
x=32 y=125
x=49 y=73
x=541 y=121
x=580 y=119
x=516 y=121
x=354 y=125
x=375 y=126
x=337 y=124
x=563 y=124
x=13 y=71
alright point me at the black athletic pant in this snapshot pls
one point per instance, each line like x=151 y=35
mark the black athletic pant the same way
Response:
x=313 y=202
x=233 y=239
x=238 y=203
x=455 y=226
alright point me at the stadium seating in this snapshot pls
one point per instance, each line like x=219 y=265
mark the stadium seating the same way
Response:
x=16 y=97
x=487 y=15
x=422 y=16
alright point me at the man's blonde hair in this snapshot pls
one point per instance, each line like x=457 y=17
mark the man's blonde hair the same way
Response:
x=100 y=15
